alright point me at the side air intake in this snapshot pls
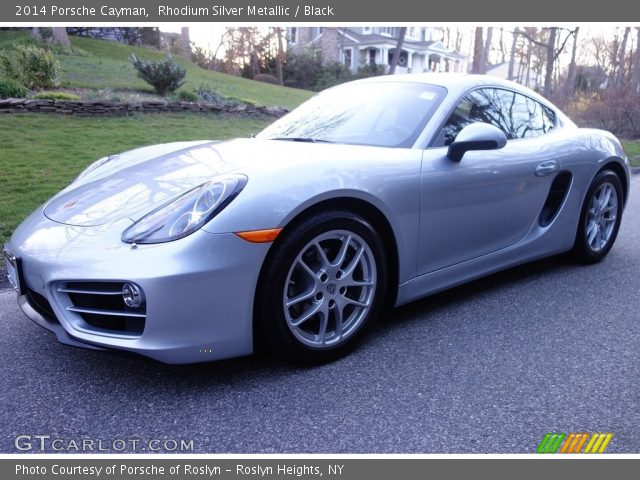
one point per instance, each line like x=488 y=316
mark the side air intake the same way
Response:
x=557 y=194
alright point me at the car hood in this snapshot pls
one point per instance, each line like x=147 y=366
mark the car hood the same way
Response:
x=131 y=184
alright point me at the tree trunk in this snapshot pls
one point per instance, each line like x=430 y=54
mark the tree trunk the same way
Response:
x=636 y=64
x=512 y=55
x=487 y=50
x=621 y=57
x=51 y=35
x=397 y=51
x=551 y=46
x=478 y=52
x=570 y=86
x=279 y=56
x=35 y=33
x=185 y=42
x=527 y=71
x=503 y=50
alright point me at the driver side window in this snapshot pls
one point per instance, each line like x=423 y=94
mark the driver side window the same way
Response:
x=484 y=105
x=516 y=115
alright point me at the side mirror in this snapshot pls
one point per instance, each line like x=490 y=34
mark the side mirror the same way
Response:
x=476 y=136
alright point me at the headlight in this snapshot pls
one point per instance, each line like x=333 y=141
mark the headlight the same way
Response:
x=187 y=213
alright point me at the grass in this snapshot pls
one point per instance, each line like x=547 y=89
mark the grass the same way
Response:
x=107 y=67
x=632 y=149
x=42 y=153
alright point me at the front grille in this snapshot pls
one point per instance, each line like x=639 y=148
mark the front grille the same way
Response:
x=102 y=308
x=41 y=305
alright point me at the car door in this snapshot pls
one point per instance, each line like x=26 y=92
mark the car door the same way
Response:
x=490 y=199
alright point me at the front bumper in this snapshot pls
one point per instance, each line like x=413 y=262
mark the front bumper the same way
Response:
x=199 y=290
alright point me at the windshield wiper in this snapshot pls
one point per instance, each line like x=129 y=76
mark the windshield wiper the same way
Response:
x=303 y=139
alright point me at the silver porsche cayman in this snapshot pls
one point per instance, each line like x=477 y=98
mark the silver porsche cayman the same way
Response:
x=375 y=192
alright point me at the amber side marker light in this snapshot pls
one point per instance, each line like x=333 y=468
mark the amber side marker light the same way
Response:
x=260 y=236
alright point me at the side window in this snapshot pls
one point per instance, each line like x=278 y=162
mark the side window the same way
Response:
x=516 y=115
x=459 y=119
x=520 y=114
x=486 y=105
x=542 y=118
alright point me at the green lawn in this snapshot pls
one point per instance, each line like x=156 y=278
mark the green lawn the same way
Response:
x=632 y=148
x=40 y=154
x=108 y=67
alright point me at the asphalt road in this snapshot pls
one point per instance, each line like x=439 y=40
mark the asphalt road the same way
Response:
x=488 y=367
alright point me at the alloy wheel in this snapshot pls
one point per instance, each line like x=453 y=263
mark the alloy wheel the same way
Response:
x=330 y=289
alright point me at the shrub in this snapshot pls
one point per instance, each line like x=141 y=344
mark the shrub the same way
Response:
x=331 y=75
x=209 y=95
x=266 y=78
x=616 y=109
x=11 y=89
x=370 y=70
x=301 y=69
x=56 y=96
x=32 y=66
x=165 y=75
x=186 y=96
x=308 y=70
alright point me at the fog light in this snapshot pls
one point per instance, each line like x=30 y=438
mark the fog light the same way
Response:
x=132 y=295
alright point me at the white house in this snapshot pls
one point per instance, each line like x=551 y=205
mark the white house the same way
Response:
x=359 y=46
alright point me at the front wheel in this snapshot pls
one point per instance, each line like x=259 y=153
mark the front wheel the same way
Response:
x=600 y=218
x=322 y=287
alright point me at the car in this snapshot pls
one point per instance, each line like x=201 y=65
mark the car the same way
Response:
x=373 y=193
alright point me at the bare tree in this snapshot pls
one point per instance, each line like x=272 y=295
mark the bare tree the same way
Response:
x=478 y=52
x=185 y=42
x=503 y=49
x=397 y=51
x=553 y=33
x=552 y=47
x=636 y=63
x=487 y=49
x=621 y=57
x=512 y=55
x=279 y=56
x=571 y=73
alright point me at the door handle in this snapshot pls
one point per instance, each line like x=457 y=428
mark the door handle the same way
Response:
x=545 y=168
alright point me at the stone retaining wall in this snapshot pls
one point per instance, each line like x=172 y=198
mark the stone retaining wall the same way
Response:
x=86 y=109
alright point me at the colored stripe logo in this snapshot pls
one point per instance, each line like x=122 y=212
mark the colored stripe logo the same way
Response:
x=574 y=443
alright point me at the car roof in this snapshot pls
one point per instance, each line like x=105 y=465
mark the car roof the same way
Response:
x=459 y=83
x=451 y=81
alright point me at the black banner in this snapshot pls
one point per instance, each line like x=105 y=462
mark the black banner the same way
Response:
x=326 y=11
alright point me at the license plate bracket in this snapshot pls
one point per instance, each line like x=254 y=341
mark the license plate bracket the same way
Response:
x=13 y=270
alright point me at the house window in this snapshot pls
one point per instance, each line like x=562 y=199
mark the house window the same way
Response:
x=411 y=32
x=366 y=30
x=348 y=57
x=293 y=35
x=387 y=31
x=372 y=57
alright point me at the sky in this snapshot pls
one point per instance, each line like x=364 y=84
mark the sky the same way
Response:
x=207 y=35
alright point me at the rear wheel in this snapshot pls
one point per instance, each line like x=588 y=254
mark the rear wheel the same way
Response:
x=600 y=218
x=322 y=288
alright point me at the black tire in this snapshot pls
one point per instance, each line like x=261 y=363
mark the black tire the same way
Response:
x=274 y=327
x=584 y=250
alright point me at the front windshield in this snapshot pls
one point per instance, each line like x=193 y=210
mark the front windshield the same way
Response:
x=383 y=114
